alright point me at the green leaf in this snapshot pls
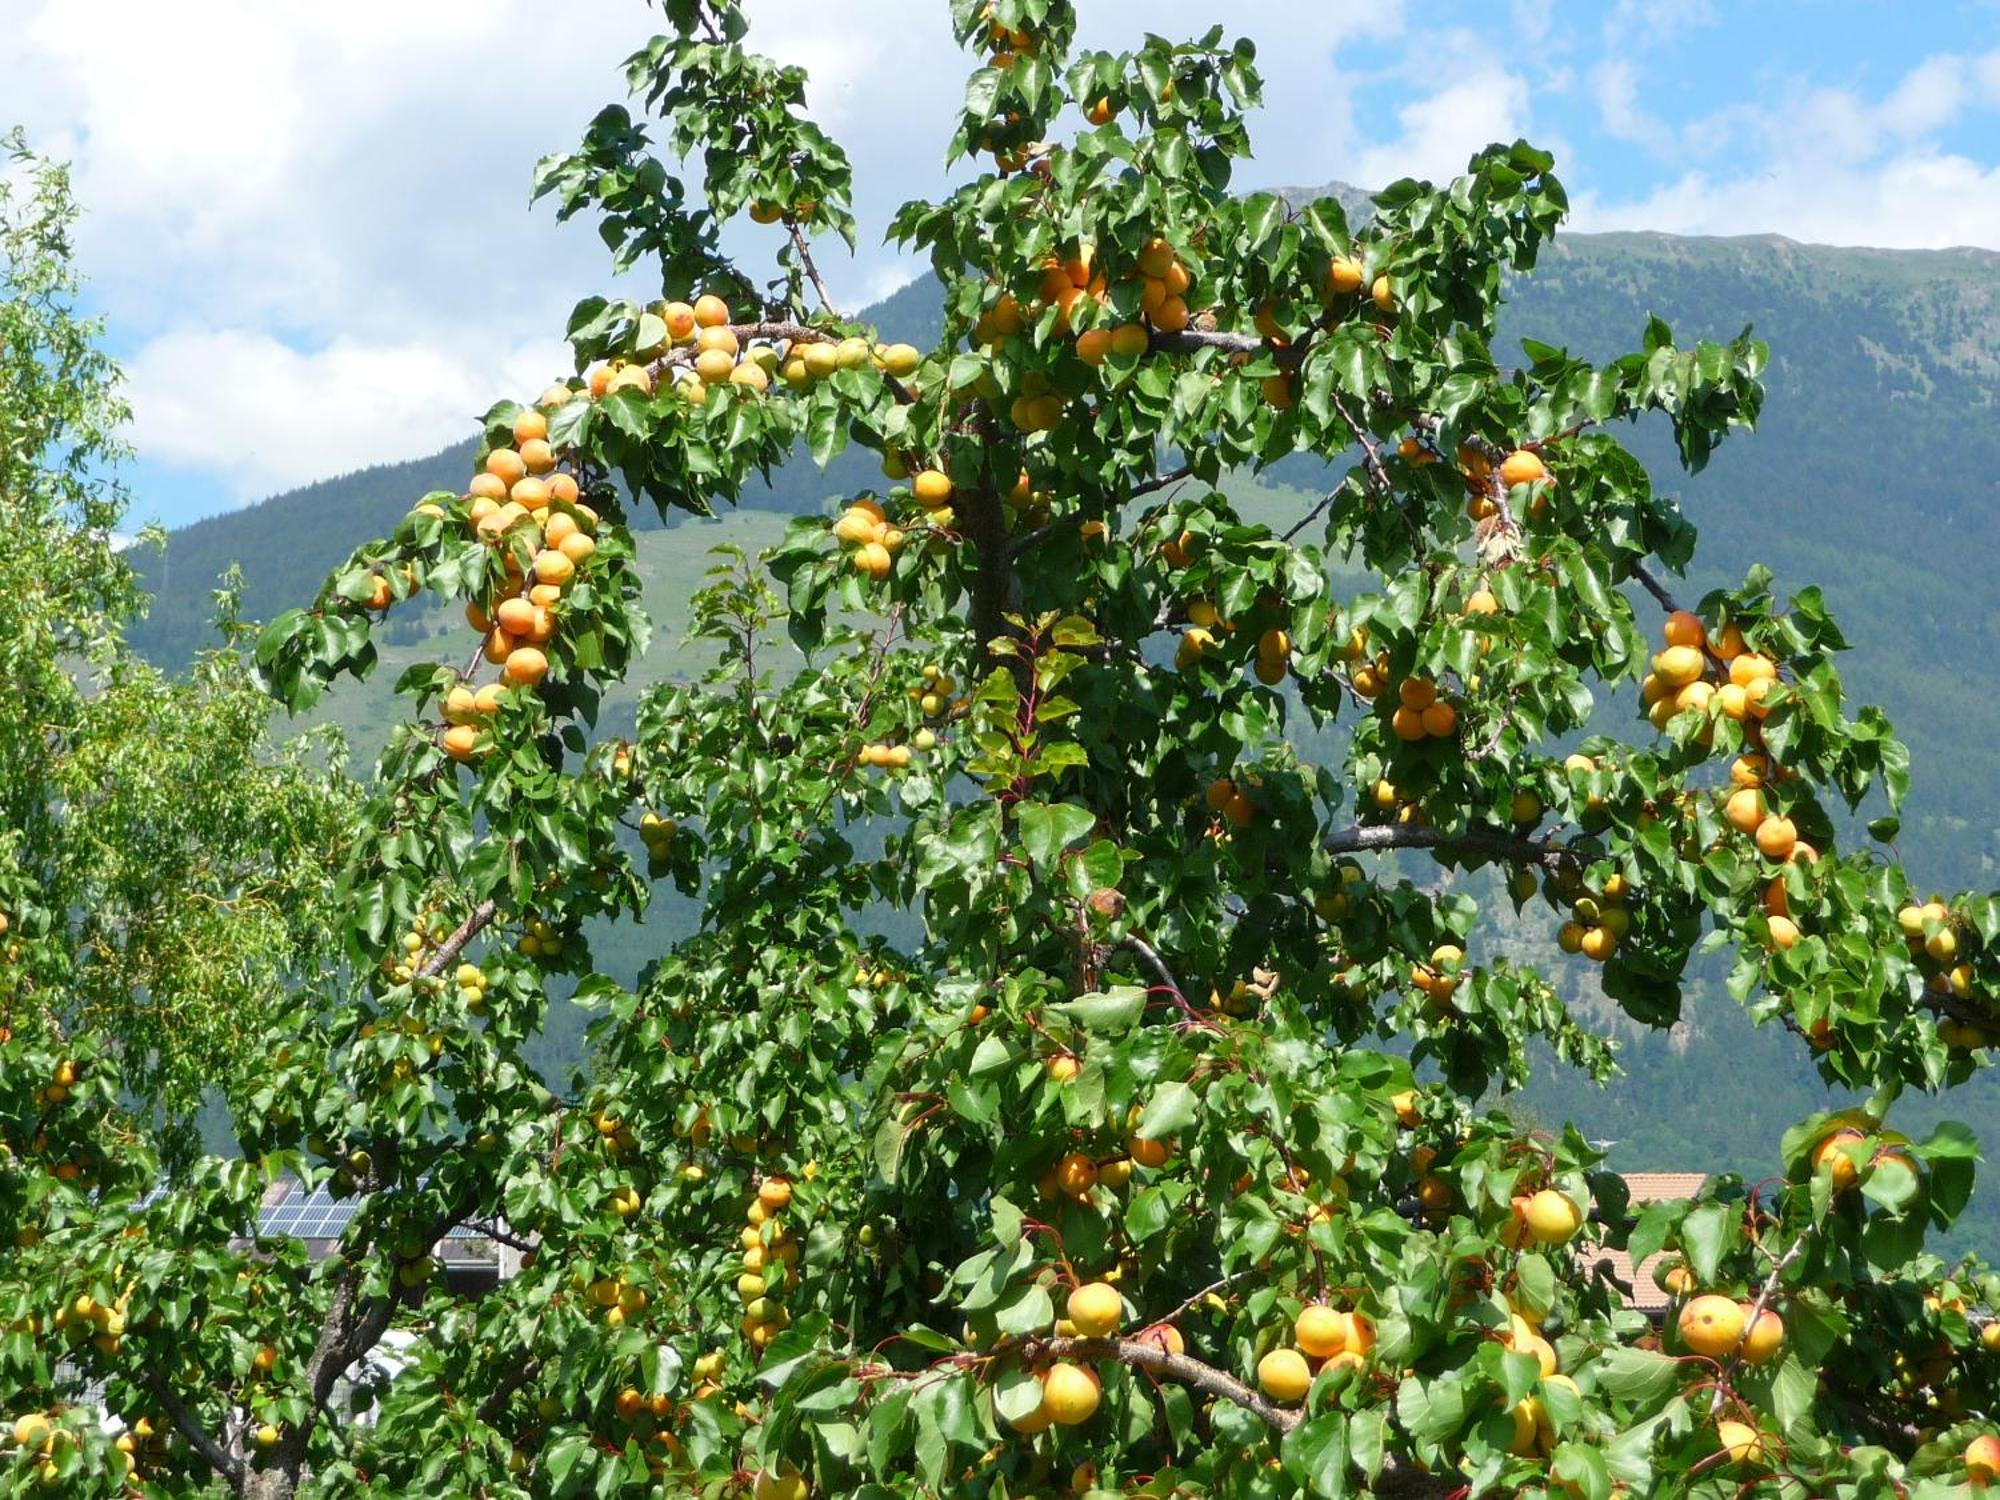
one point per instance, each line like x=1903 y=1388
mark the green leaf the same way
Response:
x=1047 y=828
x=1171 y=1109
x=1114 y=1010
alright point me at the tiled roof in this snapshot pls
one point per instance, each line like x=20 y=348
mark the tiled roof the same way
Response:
x=1647 y=1187
x=1655 y=1187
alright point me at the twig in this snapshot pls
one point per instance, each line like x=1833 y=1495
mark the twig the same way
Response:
x=1312 y=515
x=1160 y=481
x=1654 y=587
x=1758 y=1309
x=1212 y=1287
x=805 y=254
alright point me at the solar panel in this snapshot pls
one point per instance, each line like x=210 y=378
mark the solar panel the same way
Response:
x=316 y=1215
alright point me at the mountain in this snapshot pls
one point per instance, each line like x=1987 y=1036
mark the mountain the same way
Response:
x=1875 y=473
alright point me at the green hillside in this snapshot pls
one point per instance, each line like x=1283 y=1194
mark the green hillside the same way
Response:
x=1875 y=473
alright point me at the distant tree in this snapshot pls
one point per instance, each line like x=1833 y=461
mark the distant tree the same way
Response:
x=1104 y=1178
x=163 y=871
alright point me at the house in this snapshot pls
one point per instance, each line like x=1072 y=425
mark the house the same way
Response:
x=1636 y=1283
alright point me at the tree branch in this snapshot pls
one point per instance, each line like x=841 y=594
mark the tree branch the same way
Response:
x=1160 y=481
x=1154 y=962
x=1146 y=1354
x=1193 y=340
x=1368 y=838
x=1654 y=587
x=217 y=1457
x=451 y=947
x=1396 y=1478
x=1759 y=1307
x=805 y=255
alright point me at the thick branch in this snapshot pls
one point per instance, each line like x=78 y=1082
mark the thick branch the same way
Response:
x=1192 y=340
x=1375 y=837
x=1146 y=1354
x=217 y=1457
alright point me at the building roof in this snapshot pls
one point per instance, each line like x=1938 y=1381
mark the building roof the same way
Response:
x=1657 y=1187
x=1645 y=1294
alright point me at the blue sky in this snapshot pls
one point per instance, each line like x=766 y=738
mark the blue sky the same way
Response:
x=309 y=225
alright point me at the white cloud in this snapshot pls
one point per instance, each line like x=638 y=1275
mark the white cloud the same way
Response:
x=1614 y=85
x=265 y=417
x=1652 y=23
x=1835 y=168
x=1914 y=201
x=1929 y=97
x=1440 y=131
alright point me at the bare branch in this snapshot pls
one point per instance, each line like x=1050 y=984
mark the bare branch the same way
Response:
x=1375 y=837
x=804 y=249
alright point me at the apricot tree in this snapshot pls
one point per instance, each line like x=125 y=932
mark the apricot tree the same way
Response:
x=1069 y=1085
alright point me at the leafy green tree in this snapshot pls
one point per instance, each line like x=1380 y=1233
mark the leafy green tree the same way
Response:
x=1069 y=1087
x=163 y=873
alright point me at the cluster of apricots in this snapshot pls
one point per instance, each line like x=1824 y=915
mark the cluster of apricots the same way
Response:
x=1323 y=1338
x=770 y=1253
x=864 y=526
x=519 y=491
x=1842 y=1149
x=702 y=349
x=1719 y=1327
x=1420 y=713
x=1679 y=681
x=1229 y=801
x=618 y=1299
x=1347 y=276
x=1942 y=943
x=1488 y=483
x=427 y=931
x=41 y=1440
x=657 y=833
x=84 y=1317
x=1437 y=981
x=1598 y=920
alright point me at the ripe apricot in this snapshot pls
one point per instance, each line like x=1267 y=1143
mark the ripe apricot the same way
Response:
x=1712 y=1325
x=1070 y=1394
x=524 y=667
x=1284 y=1375
x=1095 y=1308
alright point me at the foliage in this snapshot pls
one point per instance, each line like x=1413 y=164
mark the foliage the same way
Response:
x=162 y=877
x=1142 y=1155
